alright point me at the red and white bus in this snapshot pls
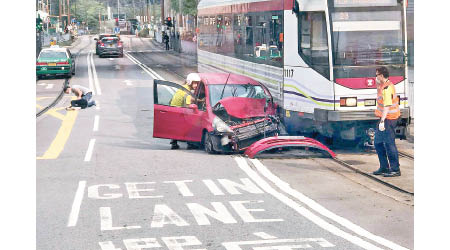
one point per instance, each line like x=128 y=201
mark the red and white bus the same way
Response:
x=317 y=57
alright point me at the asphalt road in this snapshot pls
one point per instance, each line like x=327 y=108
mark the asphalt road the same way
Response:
x=103 y=182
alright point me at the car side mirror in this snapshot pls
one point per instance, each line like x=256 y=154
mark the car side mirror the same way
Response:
x=193 y=107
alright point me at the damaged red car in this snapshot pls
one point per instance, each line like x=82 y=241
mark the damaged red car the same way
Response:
x=228 y=112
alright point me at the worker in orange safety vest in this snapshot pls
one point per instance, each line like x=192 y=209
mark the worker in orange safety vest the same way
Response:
x=388 y=111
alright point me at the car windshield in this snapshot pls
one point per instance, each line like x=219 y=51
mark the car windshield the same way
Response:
x=236 y=90
x=52 y=55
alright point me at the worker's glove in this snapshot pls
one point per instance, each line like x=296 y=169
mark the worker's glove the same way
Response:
x=381 y=126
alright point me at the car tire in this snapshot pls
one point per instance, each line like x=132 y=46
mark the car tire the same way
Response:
x=208 y=144
x=73 y=71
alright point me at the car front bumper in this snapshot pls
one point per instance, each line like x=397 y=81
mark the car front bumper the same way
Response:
x=53 y=70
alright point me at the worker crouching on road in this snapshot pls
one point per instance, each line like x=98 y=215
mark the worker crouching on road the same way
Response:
x=182 y=99
x=389 y=111
x=84 y=97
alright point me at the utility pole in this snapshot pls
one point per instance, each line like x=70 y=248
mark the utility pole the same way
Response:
x=60 y=9
x=118 y=9
x=162 y=12
x=146 y=8
x=68 y=12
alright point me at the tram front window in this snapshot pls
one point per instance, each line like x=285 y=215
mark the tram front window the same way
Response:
x=364 y=40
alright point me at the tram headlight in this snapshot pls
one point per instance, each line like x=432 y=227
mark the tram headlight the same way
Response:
x=369 y=102
x=348 y=102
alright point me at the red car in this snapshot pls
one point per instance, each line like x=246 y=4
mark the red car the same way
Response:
x=229 y=113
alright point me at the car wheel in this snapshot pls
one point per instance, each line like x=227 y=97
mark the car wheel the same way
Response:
x=73 y=71
x=101 y=56
x=207 y=142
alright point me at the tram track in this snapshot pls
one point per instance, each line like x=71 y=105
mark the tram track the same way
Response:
x=356 y=170
x=406 y=155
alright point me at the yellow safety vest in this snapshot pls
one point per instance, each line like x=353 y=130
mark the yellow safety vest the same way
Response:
x=394 y=109
x=181 y=98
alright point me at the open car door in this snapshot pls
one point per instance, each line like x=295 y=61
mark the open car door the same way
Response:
x=170 y=120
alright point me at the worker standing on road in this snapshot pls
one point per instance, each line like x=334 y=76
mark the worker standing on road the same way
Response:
x=166 y=40
x=83 y=94
x=389 y=111
x=182 y=99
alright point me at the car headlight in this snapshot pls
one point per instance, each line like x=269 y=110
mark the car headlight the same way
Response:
x=220 y=125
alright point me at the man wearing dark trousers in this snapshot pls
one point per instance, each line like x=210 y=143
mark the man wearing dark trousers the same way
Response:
x=83 y=94
x=388 y=111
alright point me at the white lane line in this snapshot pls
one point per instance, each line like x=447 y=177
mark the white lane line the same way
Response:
x=140 y=65
x=97 y=84
x=145 y=67
x=91 y=82
x=73 y=217
x=88 y=155
x=264 y=236
x=96 y=120
x=49 y=86
x=320 y=209
x=97 y=105
x=242 y=163
x=111 y=59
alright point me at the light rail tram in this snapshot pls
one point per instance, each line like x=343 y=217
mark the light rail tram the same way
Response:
x=317 y=57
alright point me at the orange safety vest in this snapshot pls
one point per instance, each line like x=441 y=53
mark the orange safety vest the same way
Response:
x=394 y=109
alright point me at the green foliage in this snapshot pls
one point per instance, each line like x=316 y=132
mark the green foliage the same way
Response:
x=189 y=7
x=87 y=11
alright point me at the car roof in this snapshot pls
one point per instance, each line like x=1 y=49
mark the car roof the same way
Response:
x=54 y=49
x=221 y=78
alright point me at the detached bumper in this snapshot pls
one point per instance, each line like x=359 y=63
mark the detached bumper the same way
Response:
x=286 y=142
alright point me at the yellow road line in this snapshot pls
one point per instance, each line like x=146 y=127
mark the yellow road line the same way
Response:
x=52 y=112
x=63 y=134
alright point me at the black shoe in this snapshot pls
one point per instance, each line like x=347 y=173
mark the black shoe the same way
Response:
x=393 y=174
x=174 y=146
x=380 y=172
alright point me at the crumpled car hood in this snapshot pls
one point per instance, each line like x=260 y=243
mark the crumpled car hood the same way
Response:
x=242 y=107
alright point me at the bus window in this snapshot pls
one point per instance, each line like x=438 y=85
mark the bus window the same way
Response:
x=313 y=42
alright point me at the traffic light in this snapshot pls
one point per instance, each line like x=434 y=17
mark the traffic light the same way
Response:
x=169 y=21
x=38 y=23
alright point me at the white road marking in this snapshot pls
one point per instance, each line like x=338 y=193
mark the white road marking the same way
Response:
x=215 y=190
x=106 y=222
x=320 y=209
x=237 y=245
x=49 y=86
x=91 y=82
x=88 y=155
x=111 y=59
x=128 y=82
x=42 y=84
x=150 y=71
x=97 y=84
x=264 y=236
x=97 y=105
x=73 y=217
x=242 y=163
x=96 y=120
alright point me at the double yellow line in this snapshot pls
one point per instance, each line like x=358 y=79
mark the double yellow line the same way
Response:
x=68 y=120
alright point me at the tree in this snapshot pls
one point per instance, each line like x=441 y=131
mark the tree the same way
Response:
x=88 y=10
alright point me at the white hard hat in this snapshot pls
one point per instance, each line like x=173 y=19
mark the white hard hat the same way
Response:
x=193 y=77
